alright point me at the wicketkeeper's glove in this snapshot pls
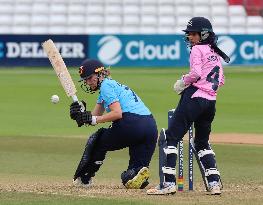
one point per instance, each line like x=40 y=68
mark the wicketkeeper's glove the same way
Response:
x=179 y=86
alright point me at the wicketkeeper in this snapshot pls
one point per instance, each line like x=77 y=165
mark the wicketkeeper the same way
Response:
x=133 y=126
x=198 y=90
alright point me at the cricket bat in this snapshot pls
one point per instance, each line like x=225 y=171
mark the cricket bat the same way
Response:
x=60 y=68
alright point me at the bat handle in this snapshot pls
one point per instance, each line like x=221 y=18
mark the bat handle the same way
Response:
x=75 y=99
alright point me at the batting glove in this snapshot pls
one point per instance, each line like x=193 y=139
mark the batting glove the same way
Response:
x=86 y=118
x=76 y=108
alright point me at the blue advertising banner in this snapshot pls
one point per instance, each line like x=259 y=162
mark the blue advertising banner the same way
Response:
x=169 y=50
x=26 y=50
x=139 y=50
x=123 y=50
x=243 y=49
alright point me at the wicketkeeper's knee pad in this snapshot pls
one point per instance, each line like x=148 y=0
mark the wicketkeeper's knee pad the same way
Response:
x=167 y=158
x=207 y=165
x=87 y=163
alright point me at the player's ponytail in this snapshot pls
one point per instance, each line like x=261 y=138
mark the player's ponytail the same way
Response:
x=212 y=41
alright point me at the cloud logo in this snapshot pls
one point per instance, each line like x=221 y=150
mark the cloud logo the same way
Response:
x=228 y=45
x=109 y=50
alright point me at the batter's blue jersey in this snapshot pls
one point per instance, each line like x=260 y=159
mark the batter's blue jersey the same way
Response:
x=111 y=91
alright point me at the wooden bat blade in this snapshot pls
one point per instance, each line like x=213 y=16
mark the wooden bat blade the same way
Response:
x=60 y=68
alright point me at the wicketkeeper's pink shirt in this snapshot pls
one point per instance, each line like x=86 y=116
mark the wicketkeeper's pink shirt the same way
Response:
x=206 y=72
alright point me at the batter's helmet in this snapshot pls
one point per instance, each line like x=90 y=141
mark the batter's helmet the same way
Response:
x=198 y=24
x=89 y=67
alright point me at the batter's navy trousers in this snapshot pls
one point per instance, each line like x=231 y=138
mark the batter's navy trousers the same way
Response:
x=137 y=132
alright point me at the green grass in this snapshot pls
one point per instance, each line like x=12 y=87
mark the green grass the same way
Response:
x=57 y=157
x=44 y=199
x=26 y=109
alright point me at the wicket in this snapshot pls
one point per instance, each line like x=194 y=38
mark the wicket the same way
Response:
x=180 y=179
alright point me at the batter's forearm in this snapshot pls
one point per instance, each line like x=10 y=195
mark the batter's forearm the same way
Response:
x=109 y=117
x=98 y=110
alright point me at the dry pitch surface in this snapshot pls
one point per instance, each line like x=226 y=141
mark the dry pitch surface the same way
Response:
x=232 y=193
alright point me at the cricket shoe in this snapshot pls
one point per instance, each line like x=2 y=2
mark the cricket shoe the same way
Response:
x=168 y=188
x=133 y=180
x=214 y=188
x=82 y=183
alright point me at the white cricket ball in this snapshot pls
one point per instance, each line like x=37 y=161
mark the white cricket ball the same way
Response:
x=54 y=99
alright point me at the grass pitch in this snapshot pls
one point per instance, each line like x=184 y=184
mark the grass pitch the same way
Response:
x=40 y=146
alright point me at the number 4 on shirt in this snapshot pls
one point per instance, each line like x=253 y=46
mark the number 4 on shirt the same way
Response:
x=213 y=77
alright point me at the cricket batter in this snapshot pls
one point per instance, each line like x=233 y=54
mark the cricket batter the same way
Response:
x=133 y=126
x=198 y=90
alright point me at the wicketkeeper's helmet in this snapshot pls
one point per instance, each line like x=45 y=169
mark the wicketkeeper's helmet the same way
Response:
x=207 y=36
x=198 y=24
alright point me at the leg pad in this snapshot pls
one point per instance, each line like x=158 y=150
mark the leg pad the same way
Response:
x=207 y=165
x=166 y=152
